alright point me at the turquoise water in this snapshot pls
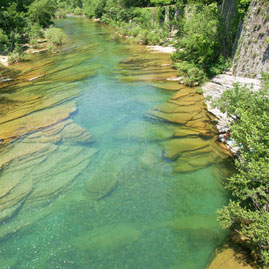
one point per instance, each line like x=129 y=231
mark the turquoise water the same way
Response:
x=143 y=215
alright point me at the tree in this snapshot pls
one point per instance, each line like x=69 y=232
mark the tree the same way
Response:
x=248 y=213
x=200 y=43
x=41 y=12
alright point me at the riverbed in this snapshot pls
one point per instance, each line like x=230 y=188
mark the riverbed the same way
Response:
x=104 y=162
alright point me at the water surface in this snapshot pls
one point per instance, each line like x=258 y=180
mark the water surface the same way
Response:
x=98 y=170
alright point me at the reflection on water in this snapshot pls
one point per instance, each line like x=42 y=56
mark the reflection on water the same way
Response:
x=103 y=163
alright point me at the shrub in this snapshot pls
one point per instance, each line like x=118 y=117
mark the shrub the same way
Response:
x=191 y=74
x=223 y=64
x=35 y=32
x=55 y=36
x=199 y=90
x=153 y=38
x=61 y=14
x=17 y=55
x=135 y=31
x=78 y=11
x=52 y=49
x=142 y=37
x=4 y=42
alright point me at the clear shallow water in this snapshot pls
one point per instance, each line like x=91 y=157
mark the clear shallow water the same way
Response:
x=148 y=216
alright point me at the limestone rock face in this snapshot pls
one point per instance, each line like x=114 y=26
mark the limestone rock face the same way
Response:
x=252 y=55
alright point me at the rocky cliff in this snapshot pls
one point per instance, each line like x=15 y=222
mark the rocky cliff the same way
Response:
x=229 y=14
x=252 y=55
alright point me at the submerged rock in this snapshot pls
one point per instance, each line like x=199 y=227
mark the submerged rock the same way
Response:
x=229 y=258
x=195 y=222
x=35 y=121
x=173 y=148
x=12 y=200
x=101 y=185
x=144 y=130
x=109 y=237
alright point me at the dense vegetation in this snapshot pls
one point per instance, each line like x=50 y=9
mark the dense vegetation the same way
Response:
x=247 y=215
x=22 y=22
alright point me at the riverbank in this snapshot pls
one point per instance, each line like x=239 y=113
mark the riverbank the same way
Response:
x=213 y=90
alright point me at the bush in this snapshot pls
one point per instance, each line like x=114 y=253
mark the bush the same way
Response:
x=135 y=31
x=61 y=14
x=153 y=38
x=4 y=42
x=41 y=12
x=35 y=32
x=142 y=37
x=78 y=11
x=222 y=65
x=17 y=55
x=191 y=74
x=55 y=36
x=99 y=8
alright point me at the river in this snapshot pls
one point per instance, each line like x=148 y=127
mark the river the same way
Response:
x=104 y=162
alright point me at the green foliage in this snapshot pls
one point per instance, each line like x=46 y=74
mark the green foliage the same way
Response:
x=61 y=14
x=160 y=2
x=4 y=42
x=199 y=44
x=17 y=55
x=135 y=3
x=22 y=22
x=78 y=11
x=199 y=90
x=191 y=74
x=220 y=66
x=35 y=32
x=55 y=36
x=248 y=214
x=41 y=12
x=242 y=6
x=11 y=20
